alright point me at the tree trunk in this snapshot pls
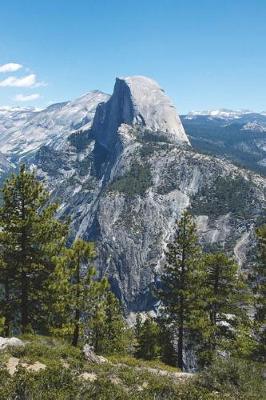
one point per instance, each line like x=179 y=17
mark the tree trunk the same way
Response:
x=180 y=362
x=214 y=308
x=23 y=275
x=7 y=313
x=24 y=302
x=75 y=338
x=180 y=343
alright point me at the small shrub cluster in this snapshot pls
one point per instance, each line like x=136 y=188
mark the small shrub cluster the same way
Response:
x=242 y=379
x=134 y=182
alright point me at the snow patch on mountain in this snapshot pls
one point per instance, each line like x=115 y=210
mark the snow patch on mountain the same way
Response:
x=23 y=131
x=254 y=126
x=220 y=113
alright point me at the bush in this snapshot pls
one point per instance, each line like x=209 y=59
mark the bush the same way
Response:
x=36 y=349
x=53 y=383
x=243 y=379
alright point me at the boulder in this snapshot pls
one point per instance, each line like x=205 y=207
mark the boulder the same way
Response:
x=91 y=356
x=10 y=342
x=88 y=376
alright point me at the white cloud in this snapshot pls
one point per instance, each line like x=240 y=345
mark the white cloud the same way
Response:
x=10 y=67
x=30 y=97
x=40 y=84
x=25 y=81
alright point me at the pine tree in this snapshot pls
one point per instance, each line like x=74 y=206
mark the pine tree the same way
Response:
x=2 y=325
x=166 y=340
x=182 y=290
x=138 y=325
x=148 y=342
x=7 y=305
x=29 y=235
x=259 y=290
x=113 y=334
x=75 y=290
x=226 y=299
x=96 y=324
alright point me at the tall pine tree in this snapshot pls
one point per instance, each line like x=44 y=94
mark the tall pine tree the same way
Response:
x=166 y=340
x=226 y=299
x=182 y=290
x=7 y=300
x=109 y=331
x=259 y=290
x=75 y=291
x=148 y=346
x=29 y=235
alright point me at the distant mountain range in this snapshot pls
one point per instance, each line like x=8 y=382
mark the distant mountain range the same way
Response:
x=125 y=166
x=225 y=113
x=239 y=136
x=23 y=131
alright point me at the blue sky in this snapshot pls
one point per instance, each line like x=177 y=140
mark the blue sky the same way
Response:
x=206 y=54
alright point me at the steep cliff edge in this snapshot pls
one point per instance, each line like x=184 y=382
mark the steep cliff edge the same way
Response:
x=139 y=102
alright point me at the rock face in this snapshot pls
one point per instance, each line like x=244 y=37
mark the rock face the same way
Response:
x=137 y=101
x=124 y=178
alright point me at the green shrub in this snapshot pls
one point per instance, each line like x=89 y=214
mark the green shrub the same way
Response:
x=140 y=363
x=54 y=383
x=242 y=379
x=36 y=349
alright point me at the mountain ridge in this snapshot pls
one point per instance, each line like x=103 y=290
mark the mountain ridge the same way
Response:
x=224 y=113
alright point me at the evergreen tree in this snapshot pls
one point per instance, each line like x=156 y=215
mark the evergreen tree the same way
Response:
x=148 y=342
x=138 y=325
x=182 y=292
x=259 y=290
x=113 y=334
x=75 y=290
x=2 y=325
x=226 y=299
x=96 y=324
x=29 y=235
x=137 y=333
x=7 y=305
x=166 y=340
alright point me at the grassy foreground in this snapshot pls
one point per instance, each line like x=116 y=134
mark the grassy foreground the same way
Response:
x=48 y=369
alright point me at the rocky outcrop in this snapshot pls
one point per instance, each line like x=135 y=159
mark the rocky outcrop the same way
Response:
x=137 y=101
x=92 y=357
